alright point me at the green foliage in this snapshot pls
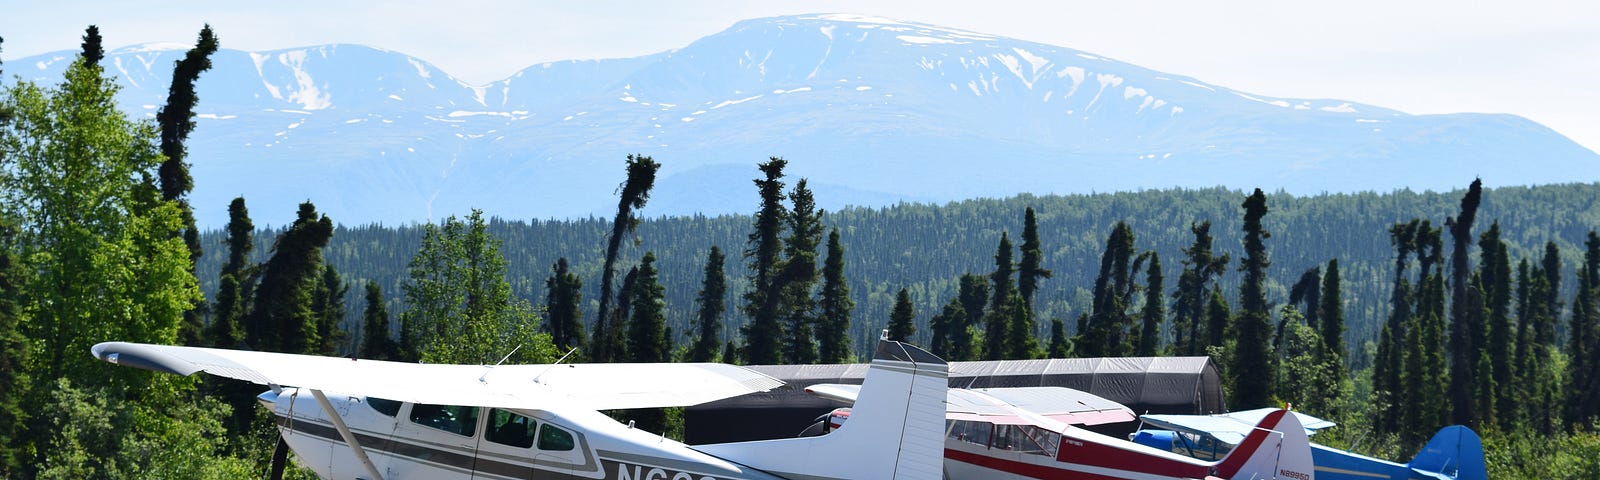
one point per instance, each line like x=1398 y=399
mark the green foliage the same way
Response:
x=903 y=320
x=460 y=305
x=377 y=342
x=633 y=195
x=709 y=307
x=563 y=298
x=282 y=319
x=1060 y=347
x=647 y=327
x=1022 y=335
x=763 y=335
x=1252 y=359
x=14 y=378
x=1110 y=327
x=1030 y=270
x=1466 y=314
x=798 y=276
x=1200 y=270
x=833 y=321
x=1154 y=314
x=996 y=322
x=92 y=51
x=327 y=304
x=176 y=120
x=1583 y=345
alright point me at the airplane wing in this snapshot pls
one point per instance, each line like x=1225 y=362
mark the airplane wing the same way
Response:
x=1011 y=406
x=595 y=386
x=1228 y=428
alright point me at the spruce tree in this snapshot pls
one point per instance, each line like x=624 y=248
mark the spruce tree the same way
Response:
x=1386 y=367
x=282 y=319
x=1306 y=294
x=634 y=193
x=902 y=320
x=176 y=120
x=1426 y=405
x=1331 y=312
x=763 y=335
x=1022 y=342
x=942 y=325
x=377 y=343
x=14 y=378
x=92 y=51
x=236 y=283
x=799 y=275
x=1252 y=356
x=996 y=322
x=730 y=354
x=709 y=304
x=1200 y=270
x=1030 y=270
x=1219 y=319
x=1495 y=278
x=1154 y=312
x=327 y=303
x=1583 y=343
x=833 y=323
x=1059 y=347
x=647 y=325
x=1466 y=336
x=973 y=294
x=563 y=298
x=1109 y=327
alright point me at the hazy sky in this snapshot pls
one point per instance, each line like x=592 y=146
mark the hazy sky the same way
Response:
x=1535 y=58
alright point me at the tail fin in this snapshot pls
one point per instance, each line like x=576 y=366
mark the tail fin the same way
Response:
x=1277 y=448
x=896 y=427
x=1456 y=452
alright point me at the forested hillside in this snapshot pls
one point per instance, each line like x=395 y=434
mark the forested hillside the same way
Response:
x=926 y=248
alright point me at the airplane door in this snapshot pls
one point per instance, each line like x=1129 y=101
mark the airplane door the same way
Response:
x=512 y=447
x=436 y=442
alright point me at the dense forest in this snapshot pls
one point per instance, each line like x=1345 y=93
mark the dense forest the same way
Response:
x=1394 y=313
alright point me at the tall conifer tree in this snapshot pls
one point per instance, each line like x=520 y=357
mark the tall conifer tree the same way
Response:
x=709 y=304
x=327 y=303
x=833 y=325
x=1200 y=270
x=1031 y=269
x=282 y=319
x=799 y=275
x=903 y=319
x=763 y=335
x=377 y=342
x=176 y=119
x=1466 y=336
x=14 y=378
x=1252 y=357
x=997 y=321
x=1155 y=312
x=973 y=293
x=634 y=193
x=563 y=298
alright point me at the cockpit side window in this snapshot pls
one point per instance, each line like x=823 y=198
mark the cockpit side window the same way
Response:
x=384 y=406
x=450 y=418
x=508 y=428
x=555 y=439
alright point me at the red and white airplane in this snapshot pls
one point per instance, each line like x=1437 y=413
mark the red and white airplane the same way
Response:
x=468 y=422
x=1032 y=433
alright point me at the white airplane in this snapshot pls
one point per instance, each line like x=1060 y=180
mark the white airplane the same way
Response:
x=414 y=421
x=1031 y=433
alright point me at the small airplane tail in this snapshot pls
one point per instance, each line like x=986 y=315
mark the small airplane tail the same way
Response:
x=1454 y=452
x=1277 y=448
x=896 y=427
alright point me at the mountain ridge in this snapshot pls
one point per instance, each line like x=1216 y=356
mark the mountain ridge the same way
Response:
x=856 y=104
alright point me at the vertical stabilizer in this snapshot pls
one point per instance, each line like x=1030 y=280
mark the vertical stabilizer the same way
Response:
x=1455 y=452
x=1277 y=448
x=896 y=428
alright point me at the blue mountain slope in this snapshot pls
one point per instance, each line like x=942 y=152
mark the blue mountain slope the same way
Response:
x=872 y=111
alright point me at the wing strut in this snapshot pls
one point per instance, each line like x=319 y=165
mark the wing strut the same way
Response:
x=344 y=431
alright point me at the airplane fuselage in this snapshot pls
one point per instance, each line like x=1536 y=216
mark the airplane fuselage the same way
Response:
x=420 y=441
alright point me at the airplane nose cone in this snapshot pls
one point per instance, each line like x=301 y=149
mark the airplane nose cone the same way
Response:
x=267 y=399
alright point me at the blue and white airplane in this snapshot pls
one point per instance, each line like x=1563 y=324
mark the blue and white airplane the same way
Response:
x=393 y=421
x=1454 y=453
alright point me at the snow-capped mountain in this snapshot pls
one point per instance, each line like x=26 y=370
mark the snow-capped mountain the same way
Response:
x=872 y=111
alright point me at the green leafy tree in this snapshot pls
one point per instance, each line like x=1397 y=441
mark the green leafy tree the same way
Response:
x=1200 y=269
x=1154 y=312
x=98 y=242
x=327 y=303
x=1252 y=354
x=377 y=342
x=1466 y=323
x=799 y=275
x=1031 y=269
x=634 y=194
x=996 y=322
x=282 y=319
x=903 y=319
x=833 y=323
x=763 y=335
x=176 y=120
x=709 y=307
x=460 y=307
x=563 y=296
